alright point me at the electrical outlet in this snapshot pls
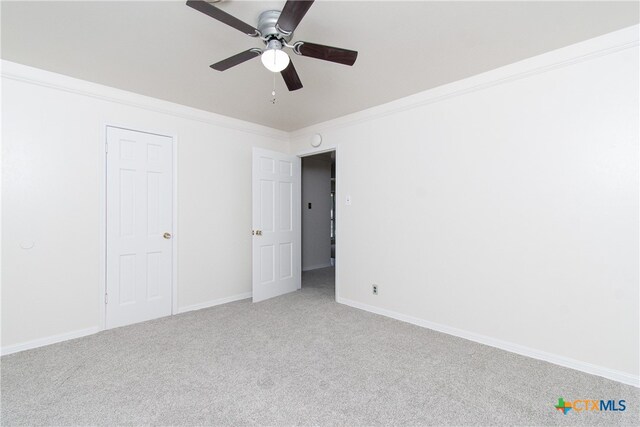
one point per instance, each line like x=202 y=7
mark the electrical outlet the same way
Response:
x=374 y=288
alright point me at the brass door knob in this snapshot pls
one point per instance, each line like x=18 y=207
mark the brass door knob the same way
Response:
x=167 y=235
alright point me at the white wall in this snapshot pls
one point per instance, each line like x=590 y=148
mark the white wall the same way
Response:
x=502 y=208
x=316 y=222
x=53 y=131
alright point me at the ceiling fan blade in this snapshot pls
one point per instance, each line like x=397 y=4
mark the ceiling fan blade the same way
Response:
x=292 y=14
x=291 y=78
x=327 y=53
x=222 y=16
x=237 y=59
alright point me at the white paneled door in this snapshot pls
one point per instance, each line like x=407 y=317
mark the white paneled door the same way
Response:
x=276 y=224
x=139 y=226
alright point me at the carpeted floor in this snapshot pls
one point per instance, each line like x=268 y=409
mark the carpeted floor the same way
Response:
x=297 y=359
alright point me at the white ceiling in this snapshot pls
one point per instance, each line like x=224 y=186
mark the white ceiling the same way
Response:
x=163 y=49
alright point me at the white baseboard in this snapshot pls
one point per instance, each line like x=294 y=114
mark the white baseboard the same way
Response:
x=315 y=267
x=40 y=342
x=53 y=339
x=214 y=302
x=622 y=377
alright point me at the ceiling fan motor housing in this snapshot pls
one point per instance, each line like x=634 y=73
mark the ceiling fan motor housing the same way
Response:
x=275 y=28
x=268 y=29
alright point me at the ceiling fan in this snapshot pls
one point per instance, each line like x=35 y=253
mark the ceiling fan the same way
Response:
x=275 y=29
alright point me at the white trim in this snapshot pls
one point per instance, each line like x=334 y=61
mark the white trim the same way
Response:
x=583 y=51
x=336 y=216
x=319 y=150
x=53 y=339
x=315 y=150
x=215 y=302
x=579 y=52
x=623 y=377
x=26 y=74
x=315 y=267
x=102 y=173
x=174 y=230
x=103 y=217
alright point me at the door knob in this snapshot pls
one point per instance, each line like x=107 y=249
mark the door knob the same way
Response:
x=258 y=232
x=167 y=235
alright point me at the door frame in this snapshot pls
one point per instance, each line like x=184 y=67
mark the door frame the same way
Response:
x=102 y=169
x=336 y=214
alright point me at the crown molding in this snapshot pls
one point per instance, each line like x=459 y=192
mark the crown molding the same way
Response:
x=587 y=50
x=26 y=74
x=583 y=51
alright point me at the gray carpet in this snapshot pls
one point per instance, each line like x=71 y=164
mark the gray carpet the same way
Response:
x=298 y=359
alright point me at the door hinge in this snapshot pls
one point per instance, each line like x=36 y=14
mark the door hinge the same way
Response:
x=106 y=299
x=106 y=147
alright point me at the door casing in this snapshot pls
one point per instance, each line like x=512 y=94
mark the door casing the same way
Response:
x=102 y=168
x=313 y=152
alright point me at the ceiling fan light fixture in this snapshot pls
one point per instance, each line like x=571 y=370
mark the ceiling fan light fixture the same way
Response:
x=275 y=28
x=274 y=58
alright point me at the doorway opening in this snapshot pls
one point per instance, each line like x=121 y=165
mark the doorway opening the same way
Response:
x=319 y=223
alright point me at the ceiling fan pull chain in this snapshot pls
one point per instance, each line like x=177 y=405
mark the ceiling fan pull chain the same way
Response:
x=273 y=92
x=275 y=28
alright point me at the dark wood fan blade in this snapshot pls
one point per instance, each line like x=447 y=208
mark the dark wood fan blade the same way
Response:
x=290 y=76
x=328 y=53
x=224 y=17
x=234 y=60
x=292 y=14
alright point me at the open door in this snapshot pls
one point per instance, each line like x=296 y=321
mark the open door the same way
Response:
x=276 y=224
